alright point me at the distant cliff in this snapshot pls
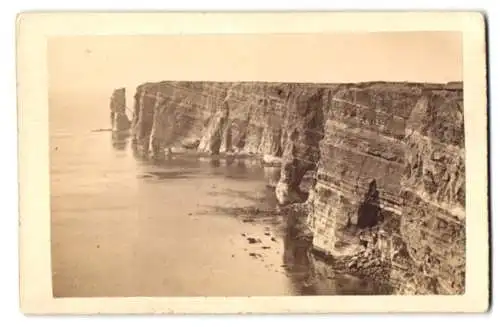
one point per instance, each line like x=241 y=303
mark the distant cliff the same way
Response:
x=388 y=197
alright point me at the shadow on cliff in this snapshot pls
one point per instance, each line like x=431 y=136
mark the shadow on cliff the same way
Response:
x=369 y=212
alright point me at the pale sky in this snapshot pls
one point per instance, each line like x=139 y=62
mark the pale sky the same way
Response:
x=101 y=63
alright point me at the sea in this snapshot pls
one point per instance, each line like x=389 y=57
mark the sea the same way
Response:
x=124 y=225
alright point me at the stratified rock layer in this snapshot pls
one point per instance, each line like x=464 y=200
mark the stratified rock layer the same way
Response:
x=387 y=161
x=390 y=185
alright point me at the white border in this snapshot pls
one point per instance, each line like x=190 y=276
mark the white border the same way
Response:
x=32 y=76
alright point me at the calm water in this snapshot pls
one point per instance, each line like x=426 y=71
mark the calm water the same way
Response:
x=122 y=226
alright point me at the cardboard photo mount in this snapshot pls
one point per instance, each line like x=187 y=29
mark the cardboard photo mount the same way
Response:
x=33 y=32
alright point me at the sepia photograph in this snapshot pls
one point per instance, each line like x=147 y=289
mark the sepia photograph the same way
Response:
x=178 y=168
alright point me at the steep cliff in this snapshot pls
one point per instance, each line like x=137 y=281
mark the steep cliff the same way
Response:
x=390 y=186
x=387 y=197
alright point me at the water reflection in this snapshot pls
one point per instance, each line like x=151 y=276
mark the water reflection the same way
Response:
x=136 y=152
x=271 y=175
x=215 y=162
x=254 y=207
x=297 y=258
x=230 y=160
x=119 y=140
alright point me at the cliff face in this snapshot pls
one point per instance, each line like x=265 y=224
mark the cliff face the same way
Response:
x=252 y=118
x=388 y=196
x=390 y=186
x=433 y=193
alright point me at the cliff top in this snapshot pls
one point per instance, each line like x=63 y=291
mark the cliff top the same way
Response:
x=453 y=85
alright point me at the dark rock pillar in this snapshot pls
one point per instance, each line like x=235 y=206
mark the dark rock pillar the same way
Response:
x=118 y=116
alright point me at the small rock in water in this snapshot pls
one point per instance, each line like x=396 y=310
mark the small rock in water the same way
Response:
x=267 y=234
x=248 y=220
x=273 y=239
x=243 y=234
x=266 y=247
x=252 y=240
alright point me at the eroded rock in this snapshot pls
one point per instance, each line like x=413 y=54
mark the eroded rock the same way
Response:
x=118 y=115
x=387 y=161
x=394 y=188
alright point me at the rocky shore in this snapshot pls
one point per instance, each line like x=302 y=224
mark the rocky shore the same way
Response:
x=384 y=164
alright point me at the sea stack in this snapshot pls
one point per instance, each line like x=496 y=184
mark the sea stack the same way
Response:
x=119 y=119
